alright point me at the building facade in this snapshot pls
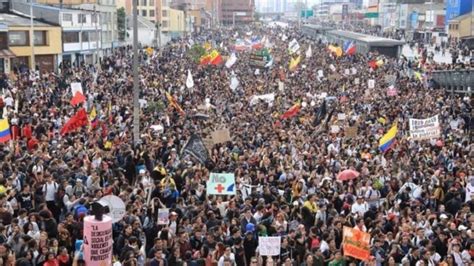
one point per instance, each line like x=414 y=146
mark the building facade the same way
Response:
x=45 y=47
x=461 y=27
x=240 y=10
x=456 y=8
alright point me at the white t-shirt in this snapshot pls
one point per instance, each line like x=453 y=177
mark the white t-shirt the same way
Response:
x=221 y=260
x=50 y=190
x=359 y=208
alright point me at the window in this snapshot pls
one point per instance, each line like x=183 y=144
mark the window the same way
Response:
x=92 y=36
x=71 y=37
x=81 y=18
x=143 y=2
x=67 y=17
x=94 y=18
x=40 y=38
x=151 y=2
x=143 y=13
x=18 y=38
x=164 y=2
x=152 y=13
x=164 y=24
x=3 y=40
x=84 y=36
x=164 y=13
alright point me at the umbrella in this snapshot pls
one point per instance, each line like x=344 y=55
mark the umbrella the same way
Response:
x=347 y=175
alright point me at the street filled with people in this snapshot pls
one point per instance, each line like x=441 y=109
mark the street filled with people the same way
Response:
x=315 y=142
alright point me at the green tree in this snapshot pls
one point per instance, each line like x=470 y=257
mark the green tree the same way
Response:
x=121 y=24
x=196 y=52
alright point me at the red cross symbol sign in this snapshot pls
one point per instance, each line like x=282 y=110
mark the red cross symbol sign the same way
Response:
x=219 y=188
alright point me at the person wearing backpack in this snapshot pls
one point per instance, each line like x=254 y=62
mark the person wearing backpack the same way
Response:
x=50 y=189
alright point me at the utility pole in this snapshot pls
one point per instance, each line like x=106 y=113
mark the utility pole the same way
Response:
x=136 y=107
x=32 y=38
x=96 y=36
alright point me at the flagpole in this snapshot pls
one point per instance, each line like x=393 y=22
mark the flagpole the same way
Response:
x=136 y=107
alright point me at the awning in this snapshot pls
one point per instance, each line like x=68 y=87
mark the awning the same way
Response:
x=6 y=53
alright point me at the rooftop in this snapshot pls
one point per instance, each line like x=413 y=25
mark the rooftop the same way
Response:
x=375 y=40
x=15 y=20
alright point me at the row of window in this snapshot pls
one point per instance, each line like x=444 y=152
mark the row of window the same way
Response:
x=22 y=38
x=81 y=18
x=453 y=26
x=73 y=37
x=151 y=13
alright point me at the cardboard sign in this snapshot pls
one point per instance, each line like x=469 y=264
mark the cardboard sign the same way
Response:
x=220 y=136
x=350 y=132
x=163 y=216
x=356 y=243
x=335 y=129
x=269 y=245
x=371 y=84
x=221 y=184
x=293 y=46
x=208 y=143
x=356 y=81
x=97 y=241
x=353 y=71
x=320 y=73
x=341 y=116
x=346 y=72
x=428 y=128
x=76 y=87
x=281 y=86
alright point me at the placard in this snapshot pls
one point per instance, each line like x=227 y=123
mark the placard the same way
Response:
x=346 y=72
x=269 y=245
x=391 y=91
x=163 y=216
x=268 y=98
x=221 y=184
x=356 y=81
x=371 y=84
x=220 y=136
x=355 y=243
x=97 y=241
x=335 y=129
x=428 y=128
x=353 y=71
x=350 y=132
x=320 y=73
x=76 y=87
x=341 y=116
x=293 y=46
x=281 y=87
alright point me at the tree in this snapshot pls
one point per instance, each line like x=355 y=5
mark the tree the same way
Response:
x=121 y=24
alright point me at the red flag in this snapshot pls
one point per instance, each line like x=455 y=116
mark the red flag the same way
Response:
x=77 y=121
x=373 y=64
x=294 y=110
x=78 y=98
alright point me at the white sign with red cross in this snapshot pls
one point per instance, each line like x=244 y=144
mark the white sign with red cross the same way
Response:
x=221 y=184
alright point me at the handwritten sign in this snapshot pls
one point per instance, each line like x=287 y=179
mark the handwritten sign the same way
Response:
x=356 y=81
x=371 y=84
x=269 y=245
x=221 y=184
x=98 y=241
x=220 y=136
x=163 y=216
x=350 y=132
x=76 y=87
x=428 y=128
x=392 y=91
x=356 y=243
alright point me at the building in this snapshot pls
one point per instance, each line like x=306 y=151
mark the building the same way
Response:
x=175 y=25
x=80 y=30
x=147 y=31
x=413 y=17
x=107 y=11
x=18 y=48
x=240 y=11
x=456 y=8
x=461 y=27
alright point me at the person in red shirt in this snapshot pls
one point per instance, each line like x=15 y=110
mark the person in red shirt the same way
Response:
x=52 y=261
x=26 y=131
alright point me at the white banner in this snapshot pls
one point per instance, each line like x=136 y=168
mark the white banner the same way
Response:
x=269 y=98
x=425 y=128
x=269 y=246
x=294 y=46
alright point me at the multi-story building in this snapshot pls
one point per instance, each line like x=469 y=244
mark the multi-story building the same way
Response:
x=80 y=30
x=18 y=48
x=106 y=9
x=461 y=27
x=240 y=11
x=455 y=8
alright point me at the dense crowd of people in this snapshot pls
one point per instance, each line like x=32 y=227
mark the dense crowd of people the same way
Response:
x=285 y=169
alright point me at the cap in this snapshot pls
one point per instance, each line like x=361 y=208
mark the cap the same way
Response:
x=142 y=171
x=443 y=216
x=250 y=227
x=462 y=227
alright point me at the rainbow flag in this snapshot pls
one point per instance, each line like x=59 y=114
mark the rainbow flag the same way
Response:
x=388 y=140
x=5 y=134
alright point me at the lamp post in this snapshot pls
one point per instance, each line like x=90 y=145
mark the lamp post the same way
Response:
x=32 y=38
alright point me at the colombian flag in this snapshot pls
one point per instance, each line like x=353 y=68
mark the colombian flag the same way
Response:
x=388 y=140
x=4 y=131
x=93 y=117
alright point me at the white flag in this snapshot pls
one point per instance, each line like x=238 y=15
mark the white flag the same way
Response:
x=231 y=61
x=309 y=52
x=234 y=82
x=189 y=80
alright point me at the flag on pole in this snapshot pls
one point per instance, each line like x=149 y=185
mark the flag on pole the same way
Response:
x=336 y=50
x=78 y=98
x=349 y=48
x=174 y=104
x=231 y=61
x=294 y=63
x=387 y=141
x=293 y=111
x=309 y=52
x=189 y=80
x=321 y=113
x=5 y=134
x=76 y=121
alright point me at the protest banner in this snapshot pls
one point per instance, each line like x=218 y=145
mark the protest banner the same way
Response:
x=293 y=46
x=281 y=87
x=208 y=143
x=221 y=184
x=356 y=243
x=163 y=216
x=341 y=116
x=392 y=91
x=220 y=136
x=268 y=98
x=421 y=129
x=371 y=84
x=350 y=132
x=97 y=241
x=356 y=81
x=269 y=245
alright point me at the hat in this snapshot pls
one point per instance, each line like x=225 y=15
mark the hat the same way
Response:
x=173 y=213
x=295 y=203
x=142 y=171
x=443 y=216
x=250 y=227
x=462 y=227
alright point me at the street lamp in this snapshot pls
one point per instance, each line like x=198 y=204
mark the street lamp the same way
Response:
x=136 y=106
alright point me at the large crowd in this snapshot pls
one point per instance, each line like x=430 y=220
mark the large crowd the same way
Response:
x=285 y=169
